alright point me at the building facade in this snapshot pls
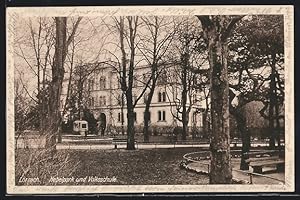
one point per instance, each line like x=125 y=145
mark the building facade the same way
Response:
x=105 y=98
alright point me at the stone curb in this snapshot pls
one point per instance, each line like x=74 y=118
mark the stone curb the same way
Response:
x=184 y=165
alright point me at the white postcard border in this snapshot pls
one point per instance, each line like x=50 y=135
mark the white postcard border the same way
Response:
x=285 y=10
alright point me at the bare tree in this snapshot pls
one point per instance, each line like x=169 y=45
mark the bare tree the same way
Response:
x=127 y=31
x=61 y=50
x=35 y=49
x=186 y=76
x=155 y=42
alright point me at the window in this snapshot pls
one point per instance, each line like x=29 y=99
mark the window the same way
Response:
x=91 y=102
x=134 y=116
x=120 y=117
x=102 y=83
x=161 y=96
x=102 y=101
x=161 y=115
x=91 y=85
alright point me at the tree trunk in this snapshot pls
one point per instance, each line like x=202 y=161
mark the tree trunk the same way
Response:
x=277 y=125
x=146 y=125
x=185 y=114
x=184 y=123
x=130 y=129
x=130 y=121
x=147 y=108
x=56 y=84
x=216 y=31
x=271 y=108
x=221 y=171
x=240 y=117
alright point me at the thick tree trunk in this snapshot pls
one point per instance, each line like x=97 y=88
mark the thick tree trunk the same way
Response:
x=146 y=125
x=130 y=121
x=185 y=114
x=240 y=117
x=221 y=171
x=184 y=123
x=245 y=135
x=56 y=84
x=130 y=130
x=216 y=31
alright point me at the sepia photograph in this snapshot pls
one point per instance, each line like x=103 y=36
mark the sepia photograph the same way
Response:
x=150 y=99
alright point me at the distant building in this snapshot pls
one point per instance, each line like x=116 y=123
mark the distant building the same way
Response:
x=105 y=98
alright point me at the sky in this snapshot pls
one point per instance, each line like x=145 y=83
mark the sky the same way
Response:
x=96 y=39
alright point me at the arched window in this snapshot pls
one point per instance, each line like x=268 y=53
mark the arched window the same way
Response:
x=164 y=96
x=161 y=96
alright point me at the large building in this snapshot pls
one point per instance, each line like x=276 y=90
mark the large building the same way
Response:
x=105 y=98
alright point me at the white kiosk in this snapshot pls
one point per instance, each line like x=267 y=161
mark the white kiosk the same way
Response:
x=80 y=126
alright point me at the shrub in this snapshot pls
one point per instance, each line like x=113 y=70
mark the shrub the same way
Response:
x=160 y=130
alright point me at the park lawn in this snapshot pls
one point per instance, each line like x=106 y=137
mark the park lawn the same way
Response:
x=135 y=167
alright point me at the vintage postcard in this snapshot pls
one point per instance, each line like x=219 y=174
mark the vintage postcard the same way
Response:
x=150 y=99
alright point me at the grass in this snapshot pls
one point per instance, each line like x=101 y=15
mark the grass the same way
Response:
x=138 y=167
